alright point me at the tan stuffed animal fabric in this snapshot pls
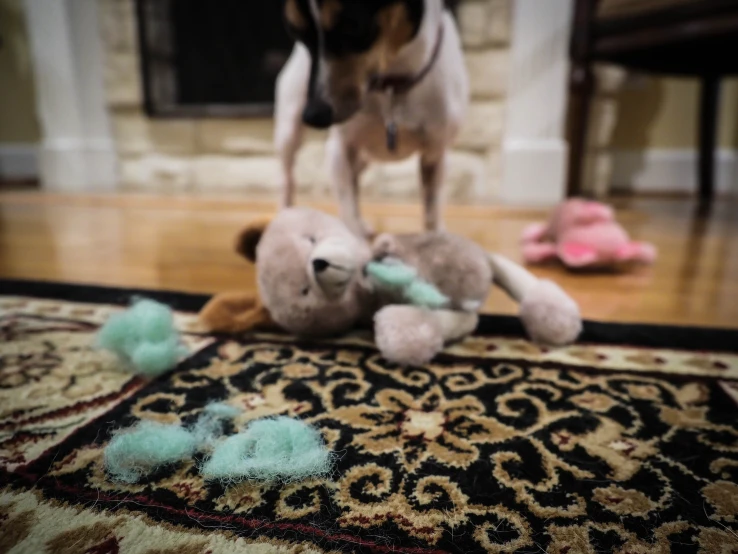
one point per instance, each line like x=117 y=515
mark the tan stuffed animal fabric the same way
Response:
x=312 y=282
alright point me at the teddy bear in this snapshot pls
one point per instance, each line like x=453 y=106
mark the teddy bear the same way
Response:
x=314 y=280
x=583 y=233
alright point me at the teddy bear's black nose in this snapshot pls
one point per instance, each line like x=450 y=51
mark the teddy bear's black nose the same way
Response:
x=320 y=265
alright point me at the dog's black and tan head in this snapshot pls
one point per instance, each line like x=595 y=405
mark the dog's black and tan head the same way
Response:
x=349 y=41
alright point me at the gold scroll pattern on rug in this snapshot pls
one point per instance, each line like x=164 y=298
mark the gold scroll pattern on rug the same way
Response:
x=52 y=379
x=502 y=455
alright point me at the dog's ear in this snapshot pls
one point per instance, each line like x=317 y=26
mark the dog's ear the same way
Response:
x=249 y=237
x=236 y=312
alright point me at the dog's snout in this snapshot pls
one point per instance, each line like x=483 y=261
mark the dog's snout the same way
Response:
x=320 y=265
x=318 y=113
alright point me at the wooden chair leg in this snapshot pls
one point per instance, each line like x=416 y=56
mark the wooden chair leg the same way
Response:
x=581 y=88
x=709 y=103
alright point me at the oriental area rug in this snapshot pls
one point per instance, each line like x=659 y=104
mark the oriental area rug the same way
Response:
x=625 y=442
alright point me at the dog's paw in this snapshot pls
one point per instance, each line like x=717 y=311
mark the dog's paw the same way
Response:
x=362 y=229
x=434 y=225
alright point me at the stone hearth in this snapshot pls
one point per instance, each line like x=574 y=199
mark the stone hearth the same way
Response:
x=208 y=154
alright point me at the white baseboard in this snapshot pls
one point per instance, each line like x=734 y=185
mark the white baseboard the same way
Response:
x=18 y=161
x=533 y=171
x=70 y=165
x=670 y=170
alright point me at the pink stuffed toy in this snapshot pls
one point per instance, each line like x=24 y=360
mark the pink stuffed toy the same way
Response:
x=582 y=233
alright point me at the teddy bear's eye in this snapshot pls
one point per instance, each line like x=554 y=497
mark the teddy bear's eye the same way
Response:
x=305 y=291
x=310 y=238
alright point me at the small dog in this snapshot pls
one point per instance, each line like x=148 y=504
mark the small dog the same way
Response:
x=387 y=76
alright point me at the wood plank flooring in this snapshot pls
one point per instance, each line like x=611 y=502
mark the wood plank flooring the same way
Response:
x=184 y=243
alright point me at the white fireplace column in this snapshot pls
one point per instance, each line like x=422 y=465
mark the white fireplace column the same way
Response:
x=76 y=151
x=534 y=148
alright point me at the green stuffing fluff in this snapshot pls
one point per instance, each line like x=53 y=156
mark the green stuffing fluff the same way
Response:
x=420 y=293
x=393 y=274
x=221 y=410
x=143 y=337
x=142 y=449
x=272 y=449
x=145 y=447
x=209 y=426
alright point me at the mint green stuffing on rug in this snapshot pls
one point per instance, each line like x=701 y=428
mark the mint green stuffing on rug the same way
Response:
x=144 y=448
x=208 y=428
x=221 y=410
x=143 y=337
x=393 y=274
x=275 y=449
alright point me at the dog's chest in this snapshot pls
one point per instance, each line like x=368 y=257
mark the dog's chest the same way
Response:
x=368 y=131
x=374 y=143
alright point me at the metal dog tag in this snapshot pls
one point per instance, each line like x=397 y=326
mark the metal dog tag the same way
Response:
x=389 y=121
x=391 y=128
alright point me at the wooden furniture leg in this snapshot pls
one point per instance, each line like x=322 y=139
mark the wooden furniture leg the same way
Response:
x=581 y=87
x=709 y=102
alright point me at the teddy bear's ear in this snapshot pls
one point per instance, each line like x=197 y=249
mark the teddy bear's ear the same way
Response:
x=235 y=312
x=249 y=238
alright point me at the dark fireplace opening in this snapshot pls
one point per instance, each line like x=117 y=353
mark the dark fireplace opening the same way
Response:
x=212 y=58
x=203 y=58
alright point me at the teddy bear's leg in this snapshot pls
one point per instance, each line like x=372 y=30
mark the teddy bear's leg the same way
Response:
x=549 y=315
x=410 y=335
x=575 y=254
x=637 y=252
x=535 y=252
x=235 y=312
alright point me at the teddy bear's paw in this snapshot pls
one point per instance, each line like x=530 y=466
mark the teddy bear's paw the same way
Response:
x=550 y=315
x=406 y=335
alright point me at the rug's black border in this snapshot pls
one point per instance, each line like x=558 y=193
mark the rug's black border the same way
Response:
x=630 y=334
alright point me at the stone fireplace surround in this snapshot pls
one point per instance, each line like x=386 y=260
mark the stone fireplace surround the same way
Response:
x=96 y=135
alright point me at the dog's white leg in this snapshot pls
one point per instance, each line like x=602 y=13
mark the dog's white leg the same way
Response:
x=287 y=149
x=345 y=168
x=290 y=99
x=432 y=172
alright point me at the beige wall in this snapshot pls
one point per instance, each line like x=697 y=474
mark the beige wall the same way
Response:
x=17 y=101
x=662 y=113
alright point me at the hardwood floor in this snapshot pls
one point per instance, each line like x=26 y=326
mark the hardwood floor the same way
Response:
x=184 y=243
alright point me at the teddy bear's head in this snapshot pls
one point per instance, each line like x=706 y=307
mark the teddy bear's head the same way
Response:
x=309 y=271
